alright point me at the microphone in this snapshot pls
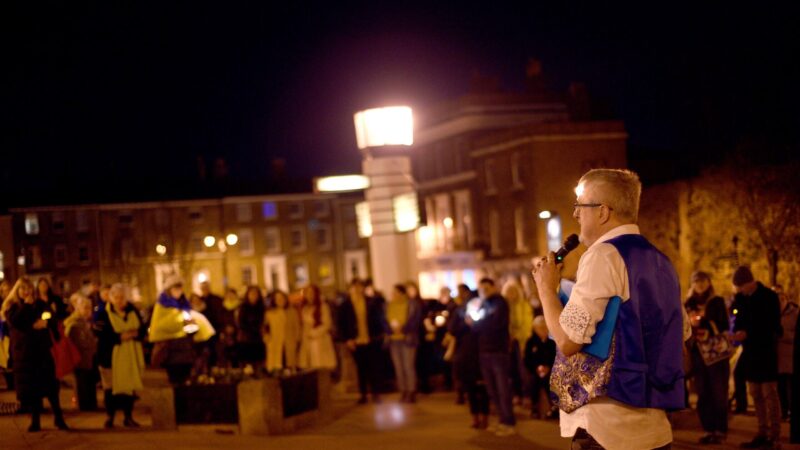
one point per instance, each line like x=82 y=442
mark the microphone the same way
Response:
x=570 y=244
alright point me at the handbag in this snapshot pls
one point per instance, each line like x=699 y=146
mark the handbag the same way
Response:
x=715 y=348
x=66 y=355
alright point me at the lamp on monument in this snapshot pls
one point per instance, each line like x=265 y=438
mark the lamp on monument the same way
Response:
x=382 y=127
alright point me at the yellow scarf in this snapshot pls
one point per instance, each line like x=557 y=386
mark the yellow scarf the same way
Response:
x=127 y=358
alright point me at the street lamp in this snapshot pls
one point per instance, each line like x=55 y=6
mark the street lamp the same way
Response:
x=161 y=249
x=209 y=241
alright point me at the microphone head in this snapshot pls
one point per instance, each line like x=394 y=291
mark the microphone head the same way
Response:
x=571 y=242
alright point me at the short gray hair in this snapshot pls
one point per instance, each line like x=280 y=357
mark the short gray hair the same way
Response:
x=117 y=288
x=620 y=188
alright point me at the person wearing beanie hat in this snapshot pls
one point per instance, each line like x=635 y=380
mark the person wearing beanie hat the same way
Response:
x=758 y=326
x=709 y=317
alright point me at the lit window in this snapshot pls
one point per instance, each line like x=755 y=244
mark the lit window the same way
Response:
x=244 y=212
x=300 y=270
x=125 y=218
x=272 y=239
x=553 y=233
x=326 y=276
x=269 y=210
x=31 y=224
x=35 y=257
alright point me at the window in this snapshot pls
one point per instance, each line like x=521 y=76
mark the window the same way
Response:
x=300 y=270
x=516 y=170
x=349 y=211
x=494 y=232
x=83 y=254
x=81 y=221
x=126 y=249
x=297 y=237
x=58 y=222
x=519 y=229
x=246 y=242
x=125 y=219
x=31 y=224
x=322 y=208
x=2 y=273
x=272 y=239
x=60 y=256
x=196 y=215
x=244 y=212
x=490 y=167
x=35 y=256
x=295 y=210
x=269 y=210
x=326 y=274
x=444 y=222
x=249 y=275
x=323 y=236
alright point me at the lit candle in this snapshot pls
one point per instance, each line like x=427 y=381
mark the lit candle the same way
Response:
x=46 y=315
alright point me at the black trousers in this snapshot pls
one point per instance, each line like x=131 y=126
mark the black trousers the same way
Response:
x=740 y=388
x=368 y=359
x=178 y=373
x=712 y=393
x=785 y=393
x=86 y=387
x=478 y=398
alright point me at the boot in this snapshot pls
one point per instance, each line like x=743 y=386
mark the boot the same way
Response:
x=126 y=401
x=58 y=414
x=110 y=404
x=35 y=408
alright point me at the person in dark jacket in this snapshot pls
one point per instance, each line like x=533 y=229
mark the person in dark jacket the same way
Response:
x=539 y=355
x=214 y=313
x=758 y=327
x=120 y=331
x=250 y=322
x=466 y=364
x=491 y=322
x=709 y=317
x=362 y=325
x=33 y=329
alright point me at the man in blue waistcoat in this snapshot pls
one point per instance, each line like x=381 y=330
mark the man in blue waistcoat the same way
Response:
x=618 y=399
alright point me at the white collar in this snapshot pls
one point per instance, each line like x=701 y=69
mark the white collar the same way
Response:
x=630 y=228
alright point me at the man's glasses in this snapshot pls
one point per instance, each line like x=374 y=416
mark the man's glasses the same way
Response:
x=589 y=205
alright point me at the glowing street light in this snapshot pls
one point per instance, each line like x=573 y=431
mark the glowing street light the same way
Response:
x=231 y=239
x=209 y=241
x=448 y=222
x=544 y=215
x=161 y=249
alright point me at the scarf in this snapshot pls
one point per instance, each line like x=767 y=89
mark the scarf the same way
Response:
x=168 y=302
x=127 y=359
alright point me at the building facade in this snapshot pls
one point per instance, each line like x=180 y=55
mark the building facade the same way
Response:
x=276 y=242
x=496 y=175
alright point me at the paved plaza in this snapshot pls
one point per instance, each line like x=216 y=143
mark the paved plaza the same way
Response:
x=436 y=422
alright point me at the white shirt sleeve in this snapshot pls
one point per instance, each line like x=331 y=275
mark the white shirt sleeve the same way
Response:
x=601 y=275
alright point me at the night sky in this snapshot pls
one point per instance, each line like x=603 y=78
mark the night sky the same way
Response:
x=122 y=101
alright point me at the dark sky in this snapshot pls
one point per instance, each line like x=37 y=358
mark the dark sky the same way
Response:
x=116 y=101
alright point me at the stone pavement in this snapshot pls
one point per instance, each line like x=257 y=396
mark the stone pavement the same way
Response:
x=433 y=423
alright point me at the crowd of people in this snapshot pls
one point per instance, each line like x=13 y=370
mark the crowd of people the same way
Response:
x=484 y=345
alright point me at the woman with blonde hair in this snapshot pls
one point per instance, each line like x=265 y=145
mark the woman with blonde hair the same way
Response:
x=78 y=328
x=33 y=329
x=520 y=328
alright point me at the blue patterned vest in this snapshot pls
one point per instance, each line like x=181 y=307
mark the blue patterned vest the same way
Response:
x=645 y=365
